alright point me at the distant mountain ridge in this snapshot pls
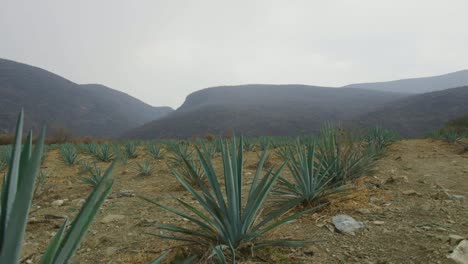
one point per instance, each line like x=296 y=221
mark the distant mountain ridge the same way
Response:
x=85 y=110
x=254 y=110
x=418 y=115
x=419 y=85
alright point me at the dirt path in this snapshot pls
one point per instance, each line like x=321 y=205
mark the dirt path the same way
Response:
x=408 y=215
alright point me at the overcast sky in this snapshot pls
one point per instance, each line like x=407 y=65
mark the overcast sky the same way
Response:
x=160 y=51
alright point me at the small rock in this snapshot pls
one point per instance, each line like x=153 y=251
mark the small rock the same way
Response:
x=363 y=211
x=378 y=222
x=455 y=239
x=125 y=193
x=457 y=197
x=346 y=224
x=57 y=203
x=310 y=250
x=460 y=253
x=112 y=218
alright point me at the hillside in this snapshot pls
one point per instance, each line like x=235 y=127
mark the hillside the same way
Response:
x=84 y=110
x=256 y=110
x=418 y=115
x=419 y=85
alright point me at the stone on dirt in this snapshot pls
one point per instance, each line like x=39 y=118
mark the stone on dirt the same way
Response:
x=460 y=253
x=346 y=224
x=363 y=211
x=58 y=203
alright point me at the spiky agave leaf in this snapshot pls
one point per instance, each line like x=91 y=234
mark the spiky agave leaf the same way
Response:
x=64 y=245
x=17 y=193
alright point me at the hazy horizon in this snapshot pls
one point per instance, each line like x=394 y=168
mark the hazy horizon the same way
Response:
x=160 y=51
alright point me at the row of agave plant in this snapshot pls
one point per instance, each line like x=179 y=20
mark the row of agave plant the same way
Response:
x=226 y=221
x=230 y=222
x=459 y=138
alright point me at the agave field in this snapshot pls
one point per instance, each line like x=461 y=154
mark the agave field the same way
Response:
x=216 y=200
x=219 y=200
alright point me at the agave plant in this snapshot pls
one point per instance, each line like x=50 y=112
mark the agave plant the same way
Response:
x=378 y=139
x=41 y=183
x=131 y=149
x=192 y=171
x=155 y=151
x=180 y=151
x=209 y=148
x=16 y=198
x=85 y=166
x=450 y=136
x=104 y=153
x=225 y=224
x=312 y=180
x=344 y=152
x=264 y=143
x=248 y=145
x=95 y=176
x=91 y=148
x=145 y=168
x=69 y=154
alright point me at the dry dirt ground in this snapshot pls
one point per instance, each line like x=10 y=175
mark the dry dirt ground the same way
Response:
x=406 y=204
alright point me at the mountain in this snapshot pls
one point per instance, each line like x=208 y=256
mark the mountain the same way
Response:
x=256 y=110
x=419 y=85
x=417 y=115
x=84 y=110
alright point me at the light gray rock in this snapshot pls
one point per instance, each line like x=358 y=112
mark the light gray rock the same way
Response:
x=460 y=253
x=58 y=203
x=378 y=222
x=346 y=224
x=457 y=197
x=363 y=211
x=125 y=193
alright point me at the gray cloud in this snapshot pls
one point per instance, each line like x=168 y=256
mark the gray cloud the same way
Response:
x=159 y=51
